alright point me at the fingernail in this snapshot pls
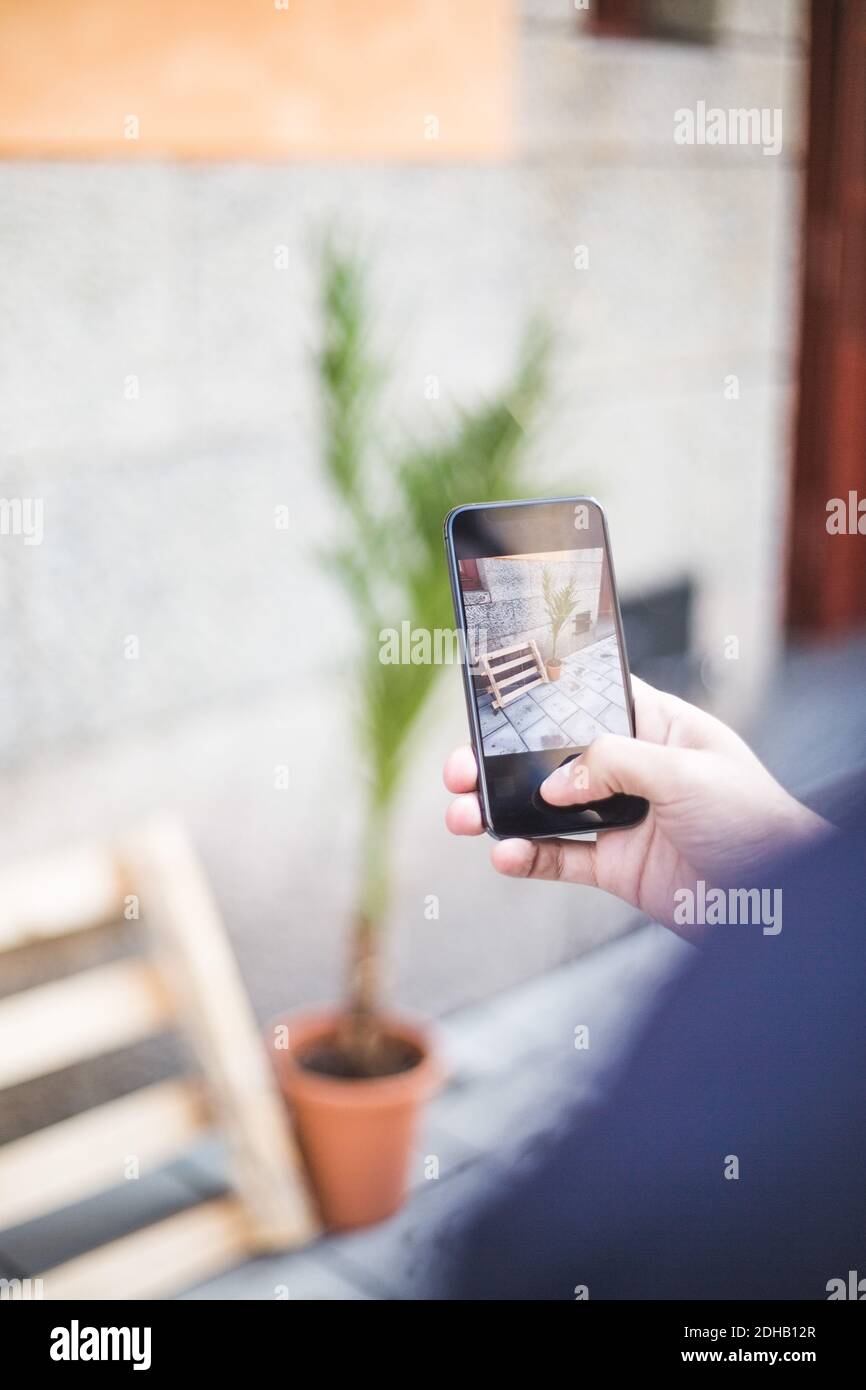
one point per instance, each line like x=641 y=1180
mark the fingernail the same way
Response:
x=559 y=777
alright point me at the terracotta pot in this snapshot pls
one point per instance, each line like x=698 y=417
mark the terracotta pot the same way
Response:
x=356 y=1136
x=554 y=670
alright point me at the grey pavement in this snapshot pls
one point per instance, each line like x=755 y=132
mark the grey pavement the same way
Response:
x=588 y=699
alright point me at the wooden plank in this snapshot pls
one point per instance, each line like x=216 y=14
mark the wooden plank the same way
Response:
x=542 y=669
x=54 y=1025
x=198 y=959
x=493 y=688
x=515 y=694
x=509 y=665
x=67 y=1162
x=159 y=1260
x=50 y=896
x=506 y=651
x=520 y=676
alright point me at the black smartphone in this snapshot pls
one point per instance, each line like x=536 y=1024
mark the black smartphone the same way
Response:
x=543 y=657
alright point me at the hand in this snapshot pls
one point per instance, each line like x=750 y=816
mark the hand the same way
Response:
x=715 y=811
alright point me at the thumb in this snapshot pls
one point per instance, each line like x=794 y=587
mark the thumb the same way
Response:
x=616 y=763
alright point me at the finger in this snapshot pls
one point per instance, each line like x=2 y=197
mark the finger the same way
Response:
x=646 y=700
x=561 y=861
x=664 y=718
x=463 y=816
x=655 y=711
x=614 y=763
x=460 y=773
x=642 y=690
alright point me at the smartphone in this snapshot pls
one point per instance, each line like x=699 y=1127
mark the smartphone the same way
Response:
x=543 y=657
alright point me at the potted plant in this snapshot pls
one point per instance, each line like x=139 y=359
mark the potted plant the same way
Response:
x=559 y=603
x=356 y=1075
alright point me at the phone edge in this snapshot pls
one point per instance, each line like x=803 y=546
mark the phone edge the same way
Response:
x=459 y=613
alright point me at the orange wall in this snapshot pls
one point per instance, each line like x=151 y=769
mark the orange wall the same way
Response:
x=230 y=79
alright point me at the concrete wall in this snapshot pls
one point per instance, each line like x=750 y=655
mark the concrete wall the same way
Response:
x=510 y=607
x=158 y=394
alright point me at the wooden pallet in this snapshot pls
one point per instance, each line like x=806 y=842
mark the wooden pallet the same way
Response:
x=188 y=981
x=507 y=671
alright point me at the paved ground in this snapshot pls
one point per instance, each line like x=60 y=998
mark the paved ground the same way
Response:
x=507 y=1058
x=588 y=699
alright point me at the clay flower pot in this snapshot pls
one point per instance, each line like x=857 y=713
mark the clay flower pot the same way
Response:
x=356 y=1135
x=554 y=670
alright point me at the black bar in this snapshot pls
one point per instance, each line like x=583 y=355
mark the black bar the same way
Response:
x=271 y=1338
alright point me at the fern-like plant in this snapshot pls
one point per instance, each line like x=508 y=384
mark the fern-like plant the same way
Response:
x=393 y=495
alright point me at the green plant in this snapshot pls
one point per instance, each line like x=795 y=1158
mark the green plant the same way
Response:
x=393 y=496
x=559 y=604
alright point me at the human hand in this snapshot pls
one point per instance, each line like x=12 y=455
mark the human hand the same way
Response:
x=715 y=811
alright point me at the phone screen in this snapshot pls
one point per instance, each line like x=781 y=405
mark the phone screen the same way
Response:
x=544 y=660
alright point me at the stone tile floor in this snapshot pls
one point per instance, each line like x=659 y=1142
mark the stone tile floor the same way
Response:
x=507 y=1059
x=588 y=699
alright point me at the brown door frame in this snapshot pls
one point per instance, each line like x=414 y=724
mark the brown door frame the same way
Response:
x=826 y=573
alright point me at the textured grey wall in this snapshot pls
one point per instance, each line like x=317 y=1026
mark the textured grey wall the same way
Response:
x=513 y=608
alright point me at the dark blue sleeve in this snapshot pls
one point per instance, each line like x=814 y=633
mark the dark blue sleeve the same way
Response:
x=757 y=1053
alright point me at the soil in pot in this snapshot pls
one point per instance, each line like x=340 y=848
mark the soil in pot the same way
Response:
x=356 y=1127
x=326 y=1057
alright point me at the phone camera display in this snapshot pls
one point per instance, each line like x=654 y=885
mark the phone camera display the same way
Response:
x=545 y=665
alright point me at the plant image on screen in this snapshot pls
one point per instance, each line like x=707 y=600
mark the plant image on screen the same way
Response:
x=549 y=673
